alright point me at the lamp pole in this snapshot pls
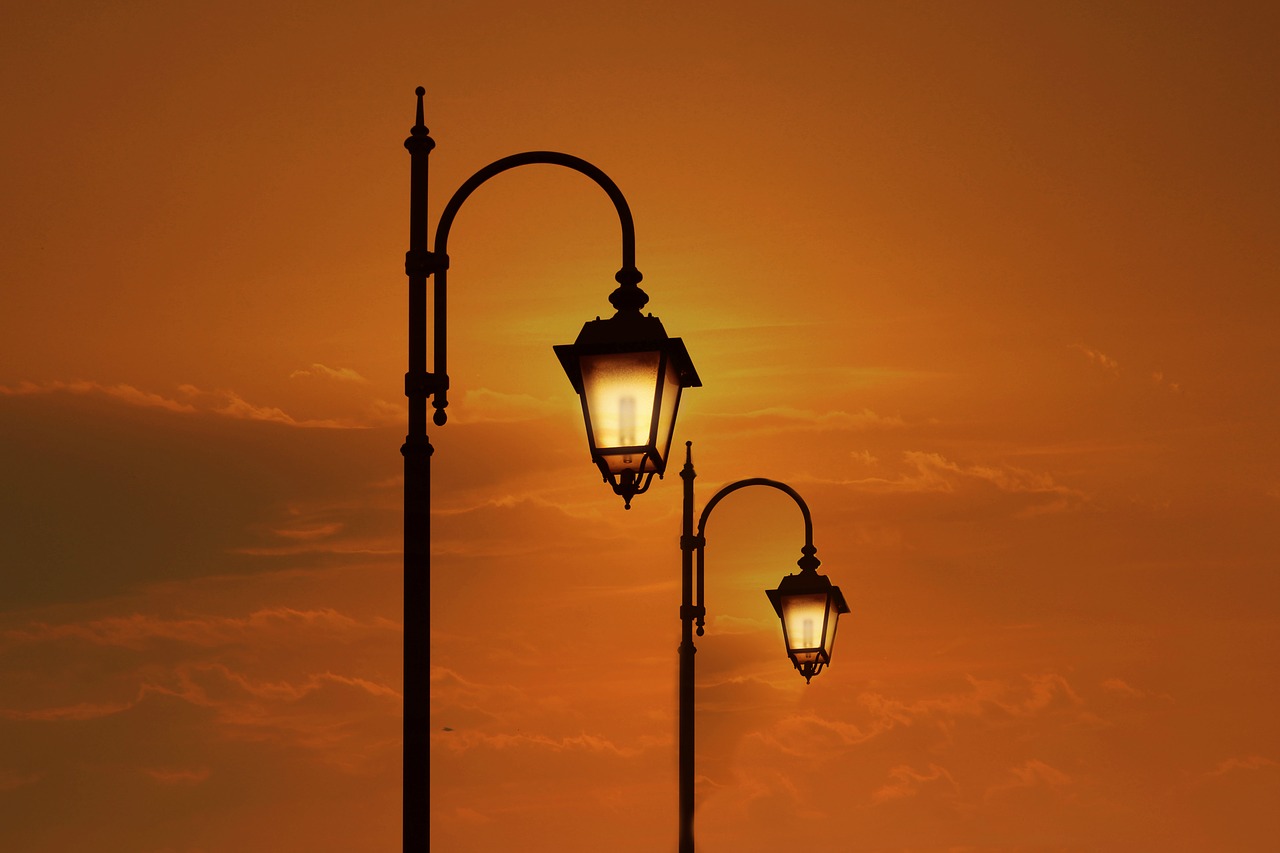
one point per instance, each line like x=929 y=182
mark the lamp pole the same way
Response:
x=625 y=336
x=808 y=584
x=419 y=264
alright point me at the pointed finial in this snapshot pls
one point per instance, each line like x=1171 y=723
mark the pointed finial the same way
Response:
x=420 y=127
x=418 y=140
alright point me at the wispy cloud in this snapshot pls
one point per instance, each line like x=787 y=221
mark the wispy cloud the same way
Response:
x=1246 y=763
x=317 y=370
x=1158 y=377
x=1032 y=773
x=1099 y=358
x=905 y=781
x=332 y=714
x=932 y=472
x=190 y=400
x=1120 y=687
x=776 y=419
x=465 y=740
x=203 y=672
x=811 y=736
x=138 y=631
x=311 y=531
x=484 y=405
x=289 y=691
x=496 y=717
x=1112 y=366
x=489 y=701
x=232 y=405
x=1039 y=694
x=125 y=393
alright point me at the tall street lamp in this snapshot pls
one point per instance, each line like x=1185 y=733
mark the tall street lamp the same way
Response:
x=626 y=369
x=808 y=605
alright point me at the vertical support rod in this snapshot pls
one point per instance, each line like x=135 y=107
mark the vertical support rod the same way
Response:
x=687 y=651
x=417 y=452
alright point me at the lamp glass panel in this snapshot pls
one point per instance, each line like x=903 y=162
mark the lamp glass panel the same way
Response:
x=667 y=409
x=804 y=621
x=829 y=640
x=619 y=389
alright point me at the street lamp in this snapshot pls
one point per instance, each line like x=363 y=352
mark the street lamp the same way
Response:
x=808 y=605
x=627 y=370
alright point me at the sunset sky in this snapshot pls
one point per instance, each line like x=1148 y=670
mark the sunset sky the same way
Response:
x=994 y=285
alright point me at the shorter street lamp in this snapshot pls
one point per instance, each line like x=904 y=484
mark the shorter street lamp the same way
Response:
x=808 y=605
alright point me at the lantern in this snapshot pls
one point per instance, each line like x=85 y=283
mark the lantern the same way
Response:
x=809 y=607
x=629 y=375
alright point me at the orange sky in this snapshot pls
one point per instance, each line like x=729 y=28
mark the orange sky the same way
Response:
x=993 y=285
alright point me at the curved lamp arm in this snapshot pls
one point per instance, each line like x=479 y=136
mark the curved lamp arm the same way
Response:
x=808 y=560
x=551 y=158
x=761 y=481
x=628 y=295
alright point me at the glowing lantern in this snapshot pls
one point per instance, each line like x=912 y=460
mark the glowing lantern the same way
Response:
x=629 y=375
x=809 y=607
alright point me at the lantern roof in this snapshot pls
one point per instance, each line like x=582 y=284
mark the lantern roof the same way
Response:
x=626 y=331
x=807 y=582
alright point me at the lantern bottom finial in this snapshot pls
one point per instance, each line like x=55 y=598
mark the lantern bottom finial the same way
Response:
x=627 y=483
x=809 y=669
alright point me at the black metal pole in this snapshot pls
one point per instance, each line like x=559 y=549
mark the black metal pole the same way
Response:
x=688 y=612
x=417 y=452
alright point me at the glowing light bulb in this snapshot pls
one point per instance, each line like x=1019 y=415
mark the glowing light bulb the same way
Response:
x=627 y=423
